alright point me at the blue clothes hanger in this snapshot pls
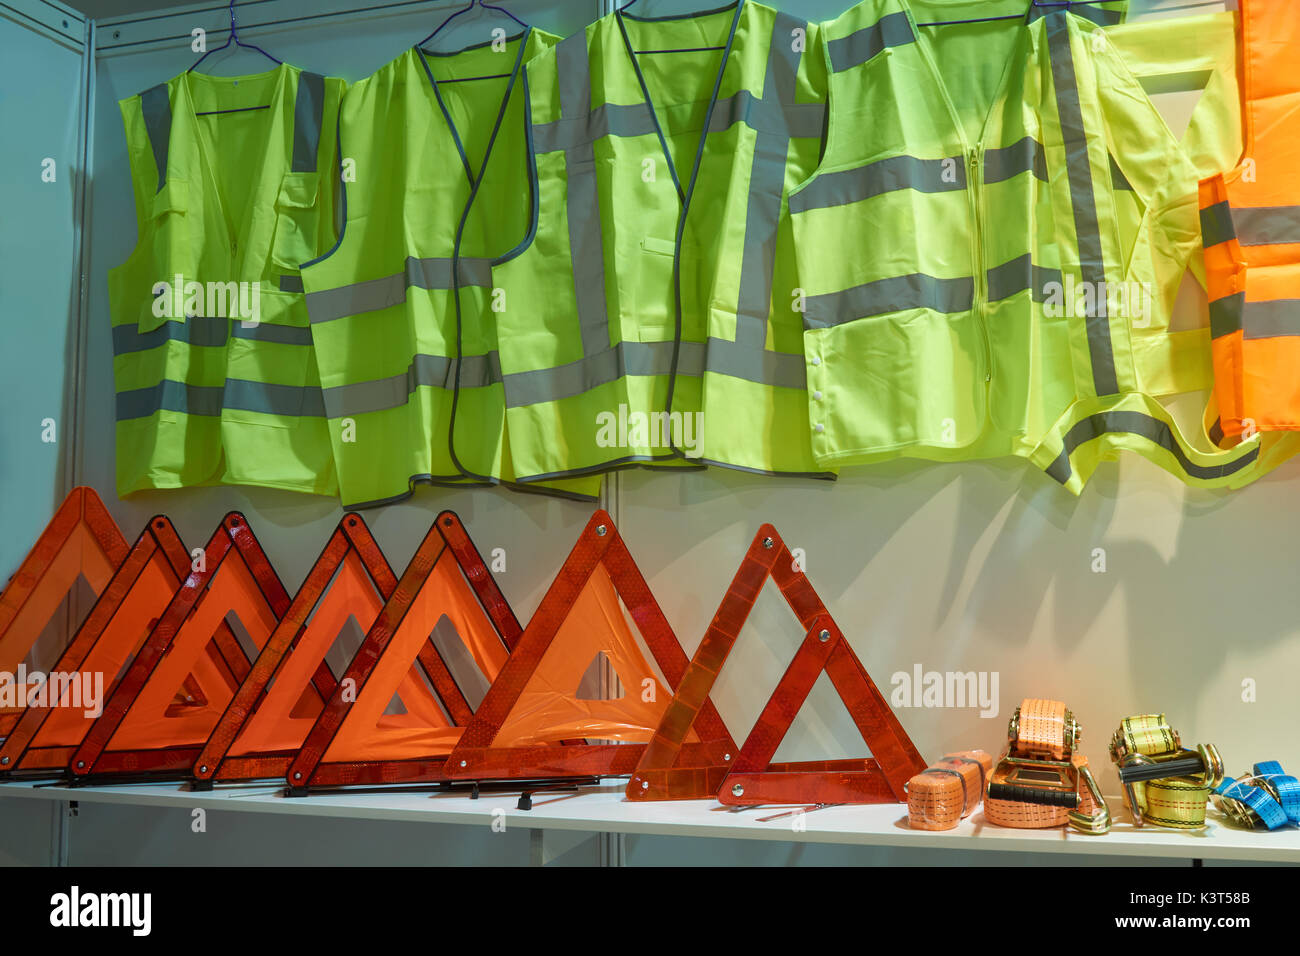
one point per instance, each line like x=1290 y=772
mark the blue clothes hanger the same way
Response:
x=234 y=40
x=693 y=49
x=1065 y=4
x=472 y=5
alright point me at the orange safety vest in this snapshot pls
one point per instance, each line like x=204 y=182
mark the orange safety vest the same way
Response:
x=1250 y=222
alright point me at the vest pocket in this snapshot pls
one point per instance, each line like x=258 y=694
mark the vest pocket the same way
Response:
x=171 y=244
x=887 y=382
x=296 y=218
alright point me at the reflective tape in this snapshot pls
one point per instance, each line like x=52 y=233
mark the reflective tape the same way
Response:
x=374 y=295
x=1020 y=275
x=425 y=371
x=1216 y=224
x=1086 y=227
x=1266 y=320
x=156 y=107
x=1144 y=426
x=1003 y=163
x=205 y=332
x=883 y=176
x=895 y=29
x=1226 y=315
x=209 y=400
x=889 y=295
x=308 y=116
x=1101 y=16
x=1267 y=225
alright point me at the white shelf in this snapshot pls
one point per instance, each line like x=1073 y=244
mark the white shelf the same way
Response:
x=603 y=810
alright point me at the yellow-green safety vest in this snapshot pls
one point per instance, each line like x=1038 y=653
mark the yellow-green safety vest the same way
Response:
x=216 y=381
x=434 y=151
x=651 y=316
x=992 y=246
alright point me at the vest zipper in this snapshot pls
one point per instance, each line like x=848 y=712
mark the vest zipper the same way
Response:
x=976 y=175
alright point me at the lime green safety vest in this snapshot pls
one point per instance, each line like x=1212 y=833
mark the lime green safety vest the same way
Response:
x=992 y=246
x=213 y=364
x=651 y=318
x=436 y=188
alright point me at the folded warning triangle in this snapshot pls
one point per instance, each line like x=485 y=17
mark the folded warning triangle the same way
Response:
x=355 y=740
x=50 y=729
x=144 y=729
x=668 y=771
x=259 y=734
x=534 y=701
x=82 y=539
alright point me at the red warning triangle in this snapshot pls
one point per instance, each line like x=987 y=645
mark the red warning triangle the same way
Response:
x=144 y=730
x=82 y=539
x=47 y=733
x=534 y=701
x=668 y=772
x=354 y=741
x=259 y=734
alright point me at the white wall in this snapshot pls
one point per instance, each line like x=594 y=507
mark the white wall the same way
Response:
x=978 y=567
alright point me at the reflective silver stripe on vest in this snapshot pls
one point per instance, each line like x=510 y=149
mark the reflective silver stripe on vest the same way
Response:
x=1144 y=426
x=1267 y=225
x=635 y=119
x=1101 y=16
x=1267 y=320
x=205 y=332
x=586 y=239
x=782 y=369
x=884 y=296
x=425 y=371
x=857 y=48
x=156 y=108
x=1019 y=275
x=1225 y=315
x=1216 y=225
x=1087 y=231
x=535 y=387
x=373 y=295
x=608 y=119
x=923 y=175
x=290 y=401
x=767 y=183
x=883 y=176
x=1006 y=162
x=308 y=116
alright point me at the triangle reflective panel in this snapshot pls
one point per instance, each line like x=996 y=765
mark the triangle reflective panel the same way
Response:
x=81 y=540
x=49 y=731
x=261 y=732
x=668 y=772
x=357 y=739
x=535 y=701
x=163 y=710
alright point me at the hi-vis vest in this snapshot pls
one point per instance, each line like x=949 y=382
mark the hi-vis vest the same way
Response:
x=992 y=246
x=1250 y=220
x=215 y=375
x=403 y=312
x=651 y=317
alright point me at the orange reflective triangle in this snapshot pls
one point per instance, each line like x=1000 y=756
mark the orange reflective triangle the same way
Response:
x=354 y=741
x=134 y=599
x=261 y=730
x=669 y=772
x=145 y=729
x=534 y=701
x=82 y=539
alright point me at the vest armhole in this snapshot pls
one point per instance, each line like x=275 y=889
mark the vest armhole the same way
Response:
x=142 y=166
x=827 y=154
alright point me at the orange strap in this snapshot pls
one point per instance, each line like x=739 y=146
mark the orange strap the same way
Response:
x=948 y=790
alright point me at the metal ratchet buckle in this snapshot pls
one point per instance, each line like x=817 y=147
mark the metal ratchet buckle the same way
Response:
x=1240 y=812
x=1136 y=768
x=1028 y=777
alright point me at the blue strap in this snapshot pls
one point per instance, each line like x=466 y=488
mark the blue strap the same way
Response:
x=1268 y=810
x=1287 y=787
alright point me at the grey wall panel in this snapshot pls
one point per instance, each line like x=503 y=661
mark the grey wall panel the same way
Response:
x=40 y=93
